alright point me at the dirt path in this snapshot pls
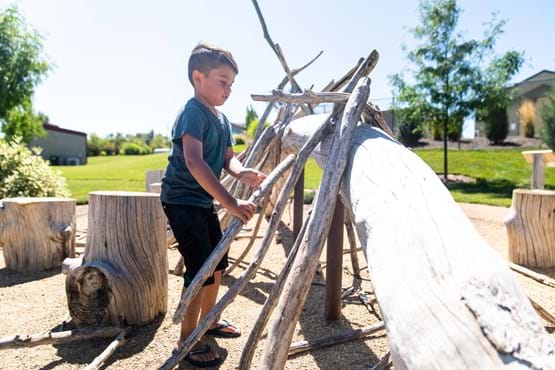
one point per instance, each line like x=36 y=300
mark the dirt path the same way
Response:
x=31 y=303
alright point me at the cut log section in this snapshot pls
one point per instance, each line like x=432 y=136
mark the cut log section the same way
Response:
x=37 y=233
x=124 y=276
x=424 y=256
x=531 y=228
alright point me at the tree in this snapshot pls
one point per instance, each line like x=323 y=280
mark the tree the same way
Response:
x=22 y=122
x=251 y=115
x=548 y=117
x=22 y=67
x=448 y=79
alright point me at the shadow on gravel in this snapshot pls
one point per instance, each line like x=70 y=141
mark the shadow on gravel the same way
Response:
x=10 y=278
x=85 y=351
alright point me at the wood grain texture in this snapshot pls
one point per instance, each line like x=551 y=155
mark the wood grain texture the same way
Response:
x=422 y=253
x=124 y=276
x=37 y=233
x=531 y=228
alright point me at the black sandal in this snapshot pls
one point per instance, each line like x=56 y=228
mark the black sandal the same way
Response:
x=218 y=332
x=201 y=349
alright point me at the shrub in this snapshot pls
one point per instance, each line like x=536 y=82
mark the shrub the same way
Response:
x=251 y=128
x=548 y=117
x=23 y=173
x=135 y=149
x=409 y=132
x=496 y=125
x=527 y=115
x=240 y=139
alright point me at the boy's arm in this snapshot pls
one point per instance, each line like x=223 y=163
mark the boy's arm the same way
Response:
x=192 y=150
x=235 y=168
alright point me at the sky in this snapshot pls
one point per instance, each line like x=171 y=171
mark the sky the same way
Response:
x=121 y=66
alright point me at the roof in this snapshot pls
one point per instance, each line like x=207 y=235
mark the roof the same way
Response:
x=533 y=82
x=50 y=127
x=534 y=76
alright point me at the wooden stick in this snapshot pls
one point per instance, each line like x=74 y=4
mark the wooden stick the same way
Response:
x=33 y=340
x=245 y=277
x=346 y=336
x=546 y=315
x=305 y=97
x=179 y=266
x=275 y=47
x=541 y=278
x=384 y=363
x=298 y=282
x=352 y=245
x=210 y=264
x=282 y=84
x=253 y=238
x=269 y=305
x=109 y=351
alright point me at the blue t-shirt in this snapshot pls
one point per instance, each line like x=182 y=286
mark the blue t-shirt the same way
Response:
x=178 y=184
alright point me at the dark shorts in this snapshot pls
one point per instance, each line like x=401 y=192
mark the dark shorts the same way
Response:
x=197 y=231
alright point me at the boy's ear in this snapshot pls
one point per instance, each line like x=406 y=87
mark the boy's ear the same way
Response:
x=197 y=76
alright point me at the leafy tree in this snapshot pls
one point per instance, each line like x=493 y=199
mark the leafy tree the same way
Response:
x=250 y=116
x=22 y=67
x=22 y=122
x=448 y=77
x=548 y=117
x=159 y=141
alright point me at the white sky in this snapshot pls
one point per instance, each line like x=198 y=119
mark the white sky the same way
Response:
x=120 y=66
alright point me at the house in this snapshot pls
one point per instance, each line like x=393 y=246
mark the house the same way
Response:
x=528 y=96
x=237 y=129
x=62 y=146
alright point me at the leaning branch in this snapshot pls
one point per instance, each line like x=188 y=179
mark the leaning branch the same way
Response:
x=306 y=97
x=235 y=226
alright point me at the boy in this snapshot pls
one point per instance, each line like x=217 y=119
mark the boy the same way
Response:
x=201 y=147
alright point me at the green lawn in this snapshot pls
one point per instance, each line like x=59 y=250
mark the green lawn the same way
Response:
x=497 y=173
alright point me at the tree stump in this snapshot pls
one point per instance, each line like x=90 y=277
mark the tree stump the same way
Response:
x=124 y=275
x=531 y=228
x=37 y=233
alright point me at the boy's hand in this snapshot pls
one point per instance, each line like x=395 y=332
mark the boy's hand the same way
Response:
x=242 y=209
x=251 y=177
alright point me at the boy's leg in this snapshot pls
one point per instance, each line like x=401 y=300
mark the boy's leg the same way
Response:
x=210 y=301
x=191 y=316
x=189 y=323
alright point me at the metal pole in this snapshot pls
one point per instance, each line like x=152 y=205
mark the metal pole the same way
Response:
x=298 y=200
x=334 y=265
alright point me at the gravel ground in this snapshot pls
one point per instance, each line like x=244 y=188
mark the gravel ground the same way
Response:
x=32 y=303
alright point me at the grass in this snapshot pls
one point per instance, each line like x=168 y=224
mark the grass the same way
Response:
x=497 y=173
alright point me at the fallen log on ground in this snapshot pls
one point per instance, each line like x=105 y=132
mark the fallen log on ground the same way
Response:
x=540 y=278
x=346 y=336
x=32 y=340
x=432 y=273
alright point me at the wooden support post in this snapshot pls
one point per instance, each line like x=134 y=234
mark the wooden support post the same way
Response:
x=334 y=265
x=298 y=203
x=538 y=170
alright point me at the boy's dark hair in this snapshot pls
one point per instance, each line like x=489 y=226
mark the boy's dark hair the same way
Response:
x=206 y=57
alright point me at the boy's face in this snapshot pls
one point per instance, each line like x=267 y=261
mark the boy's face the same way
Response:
x=215 y=87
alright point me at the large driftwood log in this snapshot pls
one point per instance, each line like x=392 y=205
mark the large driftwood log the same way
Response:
x=448 y=300
x=124 y=276
x=37 y=233
x=531 y=228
